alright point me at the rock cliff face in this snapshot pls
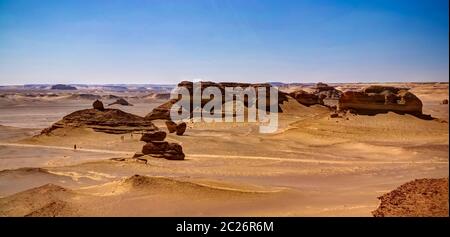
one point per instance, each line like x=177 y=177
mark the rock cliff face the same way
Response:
x=163 y=111
x=103 y=120
x=377 y=99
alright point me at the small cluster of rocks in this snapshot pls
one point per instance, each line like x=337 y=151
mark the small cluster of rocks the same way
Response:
x=156 y=147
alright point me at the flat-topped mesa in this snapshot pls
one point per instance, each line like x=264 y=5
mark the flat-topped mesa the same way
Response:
x=381 y=99
x=163 y=111
x=325 y=91
x=103 y=120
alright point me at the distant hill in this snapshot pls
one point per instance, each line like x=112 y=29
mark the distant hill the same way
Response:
x=62 y=87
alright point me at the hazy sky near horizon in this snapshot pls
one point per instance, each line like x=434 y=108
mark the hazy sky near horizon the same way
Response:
x=166 y=41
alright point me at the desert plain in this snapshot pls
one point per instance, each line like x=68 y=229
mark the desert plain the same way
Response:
x=314 y=165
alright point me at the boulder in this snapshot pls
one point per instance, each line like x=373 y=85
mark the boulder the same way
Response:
x=171 y=126
x=445 y=102
x=181 y=128
x=162 y=111
x=153 y=136
x=62 y=87
x=161 y=149
x=98 y=105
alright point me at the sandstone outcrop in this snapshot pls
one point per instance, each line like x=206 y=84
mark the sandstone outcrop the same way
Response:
x=378 y=99
x=163 y=111
x=418 y=198
x=153 y=136
x=306 y=98
x=171 y=126
x=324 y=91
x=104 y=120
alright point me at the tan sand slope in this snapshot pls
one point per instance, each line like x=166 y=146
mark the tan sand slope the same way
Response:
x=136 y=195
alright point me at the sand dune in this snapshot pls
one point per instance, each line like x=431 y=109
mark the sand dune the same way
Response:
x=152 y=194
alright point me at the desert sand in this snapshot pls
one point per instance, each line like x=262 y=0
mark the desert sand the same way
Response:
x=314 y=165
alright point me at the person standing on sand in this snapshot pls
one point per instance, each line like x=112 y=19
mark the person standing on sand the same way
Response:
x=75 y=146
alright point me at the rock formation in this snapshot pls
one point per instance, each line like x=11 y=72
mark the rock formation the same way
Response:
x=157 y=147
x=110 y=97
x=121 y=101
x=419 y=198
x=153 y=136
x=306 y=98
x=163 y=111
x=62 y=87
x=378 y=99
x=84 y=96
x=445 y=102
x=171 y=126
x=103 y=120
x=325 y=91
x=98 y=105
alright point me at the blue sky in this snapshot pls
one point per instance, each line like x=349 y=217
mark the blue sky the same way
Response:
x=107 y=41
